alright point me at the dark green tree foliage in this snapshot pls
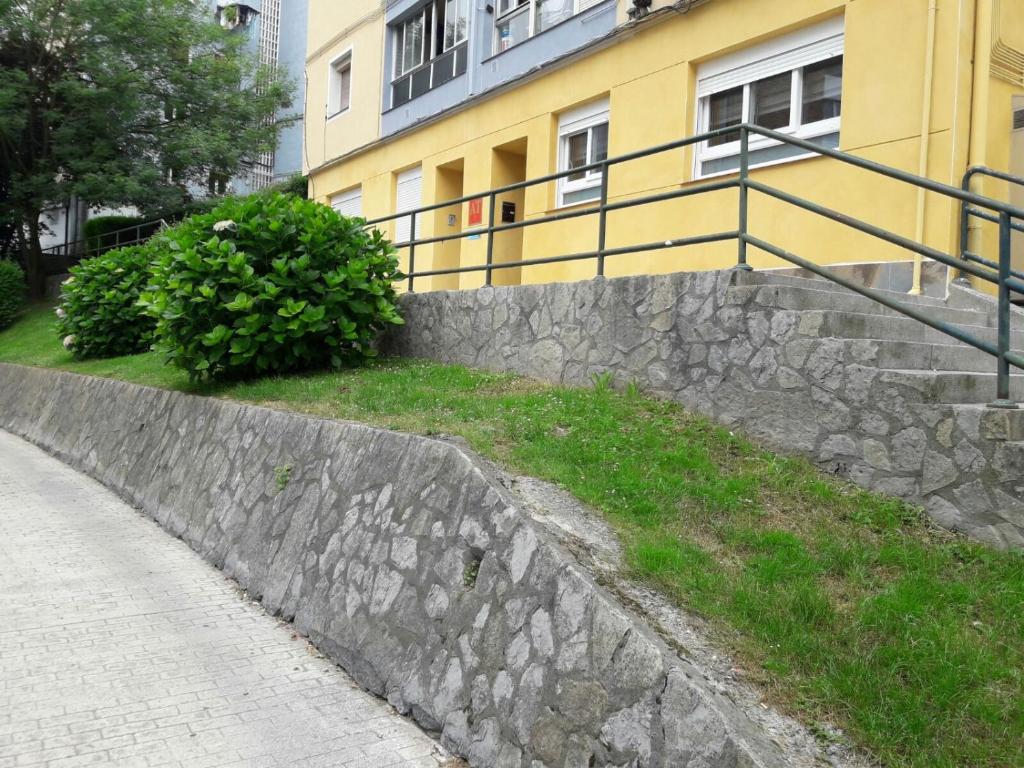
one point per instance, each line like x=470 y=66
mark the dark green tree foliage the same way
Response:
x=122 y=102
x=268 y=284
x=12 y=291
x=99 y=314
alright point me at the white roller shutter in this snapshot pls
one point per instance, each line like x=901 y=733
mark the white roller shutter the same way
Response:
x=349 y=203
x=409 y=197
x=582 y=5
x=798 y=49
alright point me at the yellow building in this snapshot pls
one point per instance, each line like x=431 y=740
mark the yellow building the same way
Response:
x=415 y=102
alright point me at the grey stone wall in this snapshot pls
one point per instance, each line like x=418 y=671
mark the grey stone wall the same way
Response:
x=406 y=563
x=734 y=353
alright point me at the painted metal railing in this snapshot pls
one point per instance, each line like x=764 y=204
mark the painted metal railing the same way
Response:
x=70 y=253
x=968 y=211
x=998 y=272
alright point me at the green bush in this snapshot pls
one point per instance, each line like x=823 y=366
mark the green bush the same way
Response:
x=12 y=291
x=99 y=313
x=270 y=283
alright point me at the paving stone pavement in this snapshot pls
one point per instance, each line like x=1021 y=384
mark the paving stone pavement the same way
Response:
x=120 y=646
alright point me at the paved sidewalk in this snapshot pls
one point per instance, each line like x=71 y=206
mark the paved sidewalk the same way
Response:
x=119 y=646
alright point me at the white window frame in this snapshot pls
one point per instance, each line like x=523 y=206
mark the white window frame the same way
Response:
x=334 y=83
x=584 y=118
x=789 y=53
x=530 y=7
x=343 y=202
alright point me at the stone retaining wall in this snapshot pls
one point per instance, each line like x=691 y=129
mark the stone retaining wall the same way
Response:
x=406 y=563
x=734 y=354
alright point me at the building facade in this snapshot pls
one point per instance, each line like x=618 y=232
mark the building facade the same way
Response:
x=276 y=32
x=414 y=102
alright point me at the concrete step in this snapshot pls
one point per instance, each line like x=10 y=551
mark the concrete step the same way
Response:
x=915 y=355
x=769 y=278
x=854 y=325
x=802 y=299
x=954 y=386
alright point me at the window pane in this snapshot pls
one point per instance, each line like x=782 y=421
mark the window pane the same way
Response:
x=400 y=50
x=724 y=109
x=551 y=12
x=577 y=154
x=513 y=30
x=770 y=101
x=454 y=22
x=823 y=88
x=599 y=143
x=413 y=43
x=346 y=87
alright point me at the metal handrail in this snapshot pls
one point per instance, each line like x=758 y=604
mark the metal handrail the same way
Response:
x=67 y=249
x=967 y=211
x=998 y=272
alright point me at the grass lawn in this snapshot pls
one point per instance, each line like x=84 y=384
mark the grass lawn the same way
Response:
x=847 y=607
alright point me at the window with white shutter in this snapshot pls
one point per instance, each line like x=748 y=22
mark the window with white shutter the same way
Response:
x=339 y=84
x=582 y=141
x=349 y=203
x=792 y=85
x=408 y=197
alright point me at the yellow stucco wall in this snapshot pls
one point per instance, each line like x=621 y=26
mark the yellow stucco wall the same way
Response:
x=337 y=28
x=649 y=77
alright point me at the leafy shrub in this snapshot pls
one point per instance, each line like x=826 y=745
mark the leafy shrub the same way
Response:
x=270 y=283
x=12 y=291
x=99 y=314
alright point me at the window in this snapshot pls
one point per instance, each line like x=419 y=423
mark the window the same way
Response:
x=339 y=84
x=429 y=49
x=791 y=85
x=234 y=15
x=582 y=141
x=408 y=197
x=349 y=203
x=518 y=20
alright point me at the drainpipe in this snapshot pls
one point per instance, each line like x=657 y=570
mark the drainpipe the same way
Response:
x=978 y=145
x=926 y=125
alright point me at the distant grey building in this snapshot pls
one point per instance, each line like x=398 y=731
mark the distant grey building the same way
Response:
x=277 y=36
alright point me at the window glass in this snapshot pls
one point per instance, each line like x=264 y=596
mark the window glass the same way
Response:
x=413 y=45
x=551 y=12
x=345 y=87
x=577 y=153
x=770 y=101
x=504 y=6
x=599 y=143
x=513 y=30
x=454 y=22
x=725 y=109
x=823 y=88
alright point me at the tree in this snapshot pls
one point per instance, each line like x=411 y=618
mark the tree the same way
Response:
x=122 y=102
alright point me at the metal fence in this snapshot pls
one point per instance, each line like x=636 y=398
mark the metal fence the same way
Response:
x=998 y=271
x=59 y=258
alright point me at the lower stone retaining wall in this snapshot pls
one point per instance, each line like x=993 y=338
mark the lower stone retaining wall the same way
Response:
x=735 y=354
x=406 y=563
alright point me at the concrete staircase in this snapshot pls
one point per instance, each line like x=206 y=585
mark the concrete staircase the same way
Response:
x=945 y=369
x=964 y=460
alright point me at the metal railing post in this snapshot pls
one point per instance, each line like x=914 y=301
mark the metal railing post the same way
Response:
x=741 y=262
x=490 y=236
x=965 y=217
x=412 y=250
x=602 y=223
x=1003 y=339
